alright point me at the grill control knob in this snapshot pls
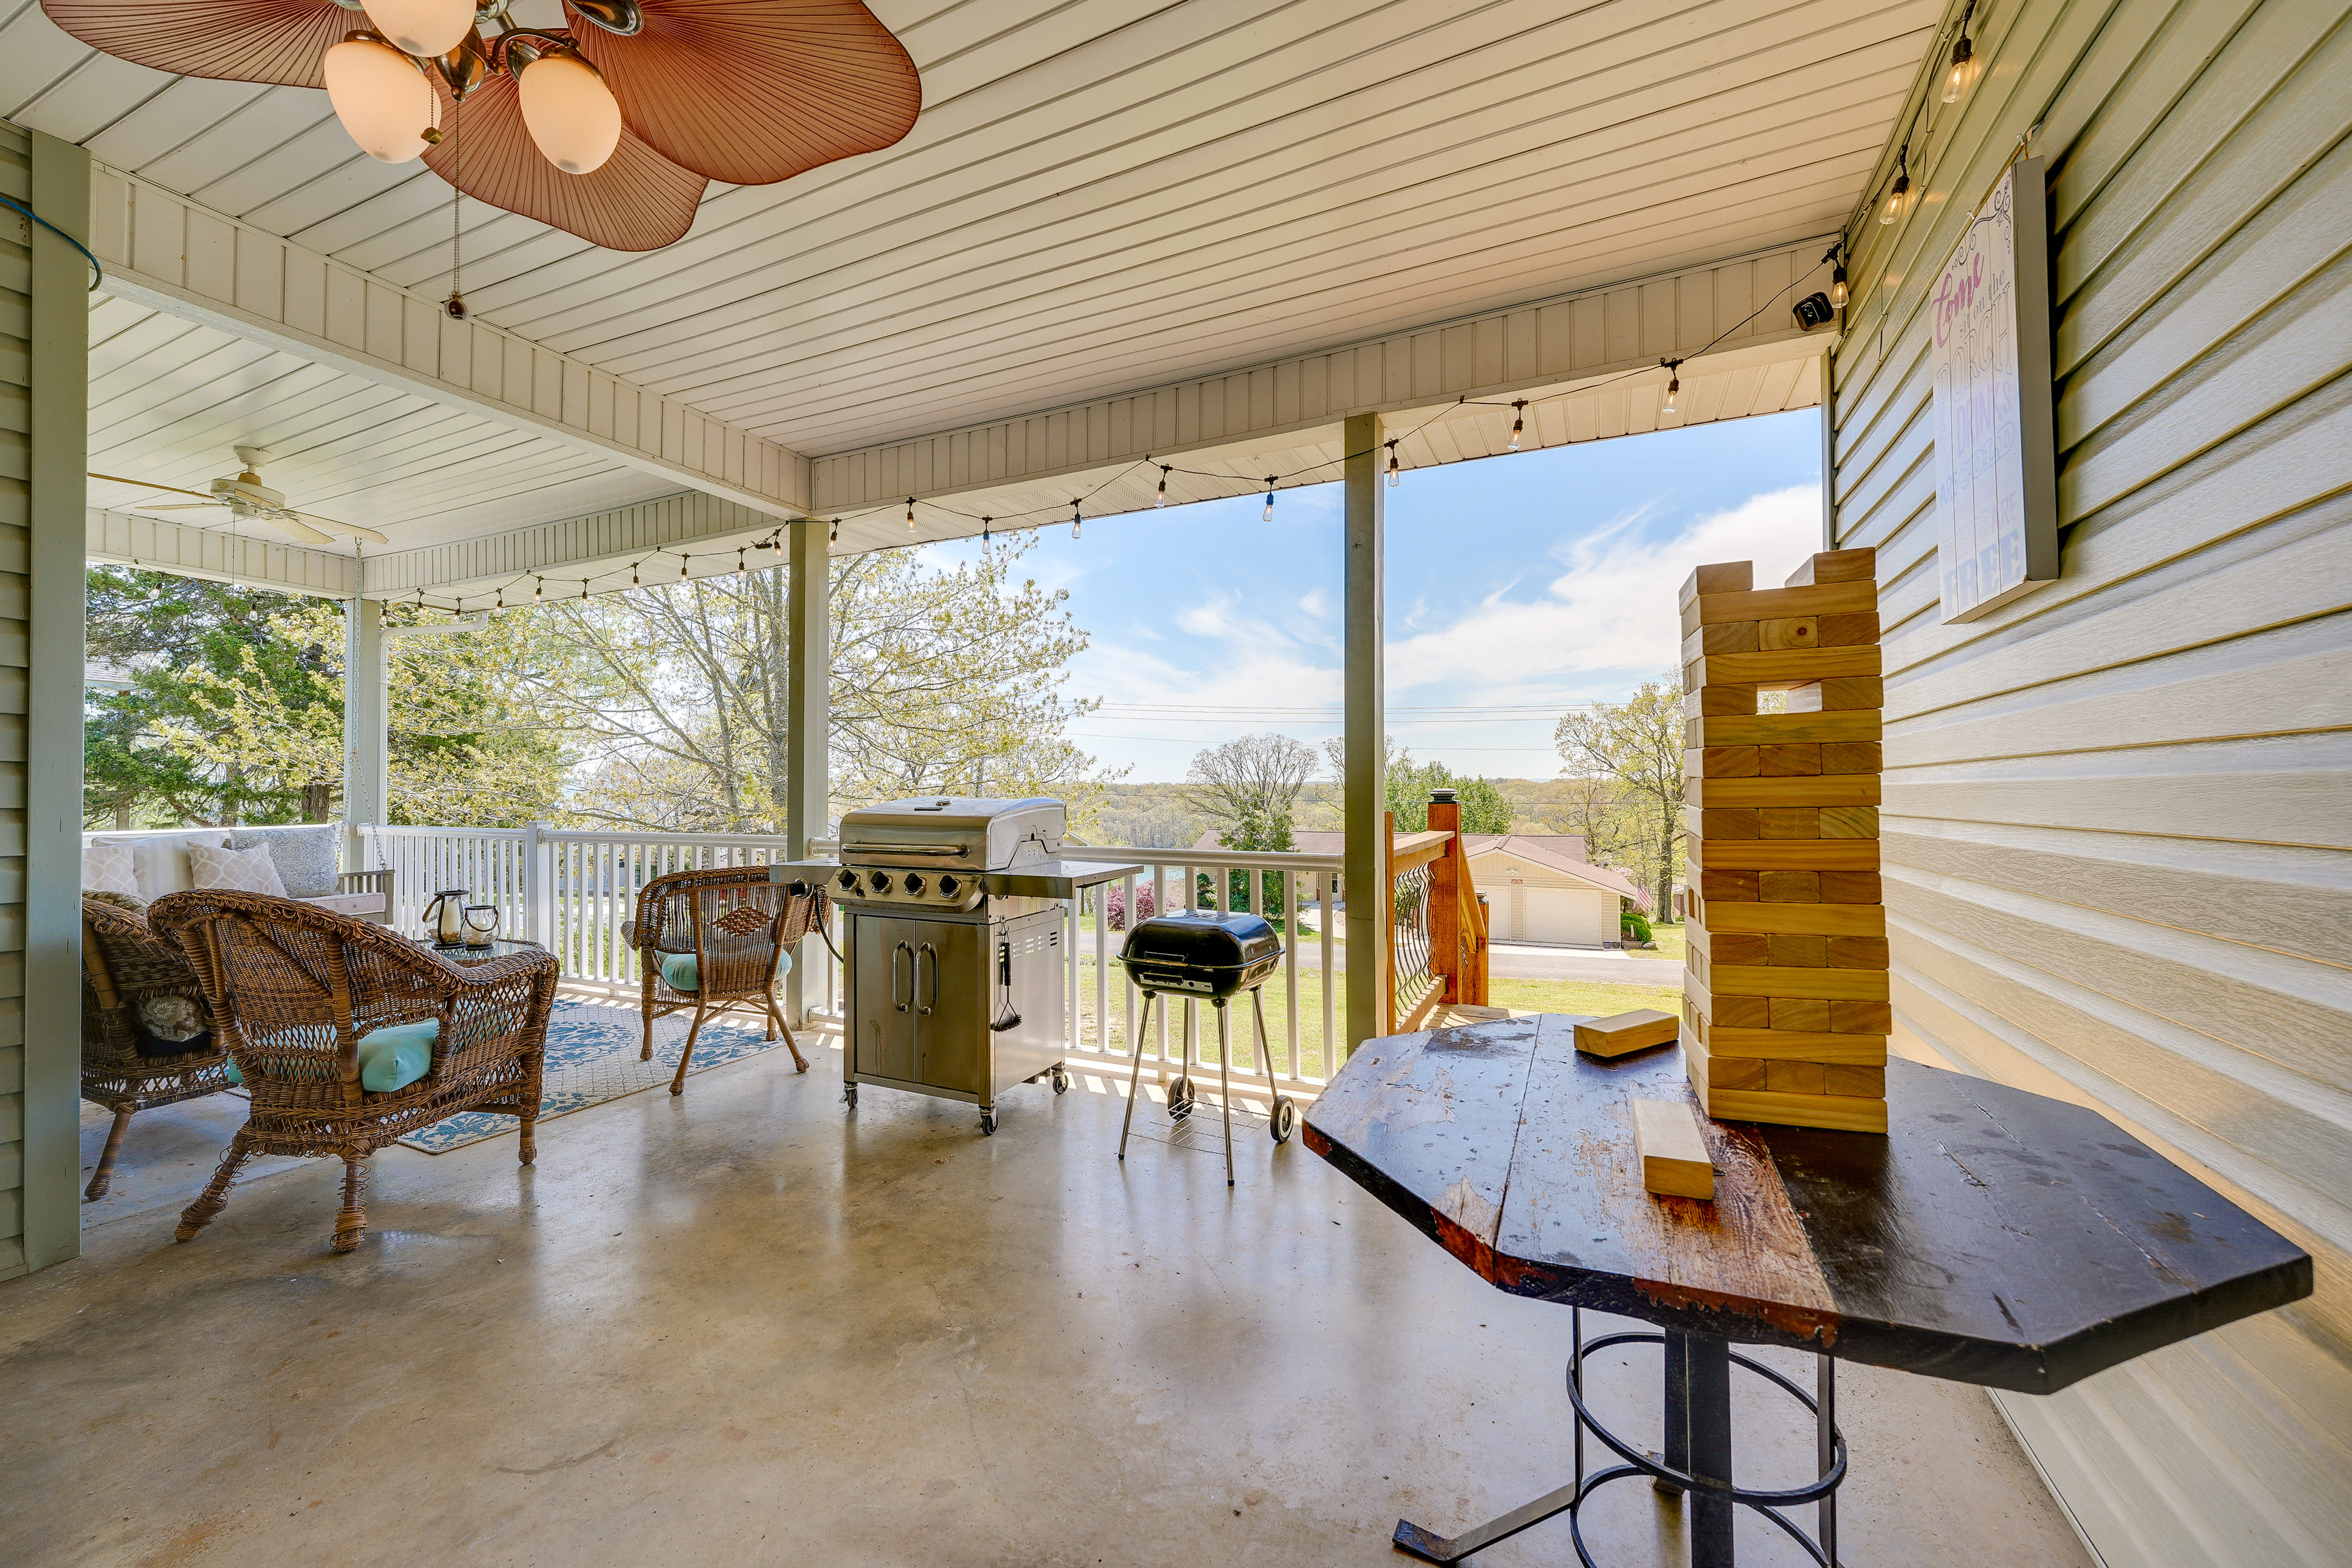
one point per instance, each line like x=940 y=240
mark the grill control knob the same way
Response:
x=881 y=881
x=947 y=887
x=849 y=880
x=914 y=883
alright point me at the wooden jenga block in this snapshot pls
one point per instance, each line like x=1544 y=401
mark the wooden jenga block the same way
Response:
x=1732 y=636
x=1836 y=566
x=1788 y=822
x=1780 y=729
x=1801 y=758
x=1843 y=631
x=1860 y=1016
x=1781 y=603
x=1723 y=761
x=1733 y=1012
x=1728 y=701
x=1781 y=668
x=1837 y=1079
x=1838 y=920
x=1789 y=1078
x=1740 y=887
x=1848 y=888
x=1785 y=854
x=1799 y=1015
x=1803 y=789
x=1794 y=632
x=1672 y=1151
x=1720 y=822
x=1789 y=951
x=1854 y=757
x=1730 y=946
x=1849 y=822
x=1827 y=984
x=1788 y=886
x=1840 y=695
x=1727 y=1072
x=1855 y=951
x=1721 y=577
x=1801 y=1044
x=1838 y=1113
x=1622 y=1032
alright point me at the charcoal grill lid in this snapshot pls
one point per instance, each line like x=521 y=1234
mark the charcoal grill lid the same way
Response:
x=1202 y=940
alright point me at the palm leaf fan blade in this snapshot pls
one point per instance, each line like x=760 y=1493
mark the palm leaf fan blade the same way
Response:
x=639 y=201
x=280 y=42
x=754 y=93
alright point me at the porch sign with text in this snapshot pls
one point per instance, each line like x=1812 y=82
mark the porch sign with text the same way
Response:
x=1996 y=474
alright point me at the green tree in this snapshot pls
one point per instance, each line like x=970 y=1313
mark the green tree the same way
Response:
x=1485 y=808
x=1635 y=747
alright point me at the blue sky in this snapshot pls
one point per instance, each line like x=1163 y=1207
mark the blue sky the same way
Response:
x=1523 y=583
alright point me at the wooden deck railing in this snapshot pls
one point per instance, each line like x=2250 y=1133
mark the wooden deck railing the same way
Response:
x=1438 y=930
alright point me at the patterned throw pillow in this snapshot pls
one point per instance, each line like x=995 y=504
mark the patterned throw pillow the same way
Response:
x=306 y=858
x=130 y=902
x=235 y=870
x=171 y=1018
x=106 y=868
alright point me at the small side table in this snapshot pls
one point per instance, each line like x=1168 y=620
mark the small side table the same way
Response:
x=469 y=955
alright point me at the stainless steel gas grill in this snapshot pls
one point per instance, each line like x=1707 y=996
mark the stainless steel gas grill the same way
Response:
x=957 y=915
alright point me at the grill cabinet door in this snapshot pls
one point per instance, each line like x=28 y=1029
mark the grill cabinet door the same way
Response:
x=882 y=989
x=951 y=1007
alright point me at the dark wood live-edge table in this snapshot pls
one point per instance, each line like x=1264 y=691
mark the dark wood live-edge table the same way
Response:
x=1994 y=1237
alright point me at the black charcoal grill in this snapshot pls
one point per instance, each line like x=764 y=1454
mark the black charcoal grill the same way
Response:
x=1202 y=954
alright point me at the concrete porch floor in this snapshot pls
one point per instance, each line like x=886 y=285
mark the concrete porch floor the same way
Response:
x=744 y=1325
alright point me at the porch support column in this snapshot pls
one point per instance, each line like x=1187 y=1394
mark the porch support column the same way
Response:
x=41 y=1024
x=1364 y=869
x=808 y=705
x=367 y=775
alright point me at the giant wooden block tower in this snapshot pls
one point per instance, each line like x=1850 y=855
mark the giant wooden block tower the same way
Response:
x=1785 y=1008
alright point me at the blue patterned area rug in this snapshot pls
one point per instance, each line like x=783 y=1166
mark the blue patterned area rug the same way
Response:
x=592 y=1057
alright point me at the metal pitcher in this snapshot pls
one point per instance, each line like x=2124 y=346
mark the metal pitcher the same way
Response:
x=445 y=918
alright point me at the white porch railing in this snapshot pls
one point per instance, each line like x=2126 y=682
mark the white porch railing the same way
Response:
x=570 y=890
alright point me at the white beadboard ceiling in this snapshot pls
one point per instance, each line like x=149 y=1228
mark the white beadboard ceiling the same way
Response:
x=1100 y=195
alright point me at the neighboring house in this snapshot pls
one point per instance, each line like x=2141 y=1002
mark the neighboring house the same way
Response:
x=1539 y=886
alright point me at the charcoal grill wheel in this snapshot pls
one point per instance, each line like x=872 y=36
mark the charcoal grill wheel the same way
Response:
x=1285 y=1118
x=988 y=1124
x=1180 y=1097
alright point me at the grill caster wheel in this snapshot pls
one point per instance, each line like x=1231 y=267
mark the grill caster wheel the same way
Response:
x=1180 y=1098
x=988 y=1124
x=849 y=1095
x=1285 y=1118
x=1061 y=1081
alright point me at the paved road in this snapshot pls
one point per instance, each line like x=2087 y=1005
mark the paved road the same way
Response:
x=1514 y=961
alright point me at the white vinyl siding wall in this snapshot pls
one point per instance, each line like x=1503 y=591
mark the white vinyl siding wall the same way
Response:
x=1535 y=903
x=2116 y=809
x=16 y=606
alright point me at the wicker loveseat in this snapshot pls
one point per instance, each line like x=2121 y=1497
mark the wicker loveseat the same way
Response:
x=714 y=940
x=349 y=1037
x=137 y=991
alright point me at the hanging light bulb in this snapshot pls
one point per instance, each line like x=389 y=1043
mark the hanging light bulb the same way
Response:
x=1893 y=207
x=1076 y=522
x=540 y=591
x=1673 y=384
x=1164 y=489
x=1837 y=287
x=1964 y=68
x=739 y=560
x=833 y=535
x=1269 y=499
x=424 y=28
x=910 y=514
x=1392 y=465
x=681 y=567
x=501 y=601
x=569 y=112
x=381 y=98
x=633 y=576
x=583 y=590
x=983 y=529
x=1519 y=422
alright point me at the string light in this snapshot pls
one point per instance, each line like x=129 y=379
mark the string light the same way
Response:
x=633 y=576
x=583 y=590
x=1392 y=465
x=983 y=529
x=681 y=567
x=1076 y=519
x=1837 y=279
x=833 y=535
x=539 y=592
x=1162 y=500
x=1673 y=384
x=1893 y=209
x=1955 y=80
x=910 y=514
x=739 y=560
x=1519 y=422
x=501 y=600
x=1269 y=499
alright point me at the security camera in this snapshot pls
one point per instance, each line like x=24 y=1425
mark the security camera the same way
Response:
x=1812 y=311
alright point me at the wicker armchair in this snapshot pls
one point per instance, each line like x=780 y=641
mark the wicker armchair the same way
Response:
x=125 y=963
x=738 y=928
x=295 y=989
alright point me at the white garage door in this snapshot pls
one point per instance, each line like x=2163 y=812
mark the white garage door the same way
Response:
x=1557 y=915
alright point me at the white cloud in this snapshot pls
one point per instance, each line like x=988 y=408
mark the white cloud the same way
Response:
x=1609 y=610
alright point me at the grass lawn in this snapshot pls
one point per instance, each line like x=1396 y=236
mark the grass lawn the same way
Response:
x=1597 y=998
x=1671 y=944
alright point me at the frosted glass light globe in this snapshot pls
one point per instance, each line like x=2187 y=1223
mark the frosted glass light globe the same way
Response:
x=422 y=27
x=382 y=100
x=570 y=113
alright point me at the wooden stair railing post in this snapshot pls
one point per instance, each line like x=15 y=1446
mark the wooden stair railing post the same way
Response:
x=1388 y=922
x=1446 y=876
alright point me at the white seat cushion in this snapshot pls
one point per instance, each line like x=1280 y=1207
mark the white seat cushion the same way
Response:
x=235 y=870
x=349 y=903
x=159 y=861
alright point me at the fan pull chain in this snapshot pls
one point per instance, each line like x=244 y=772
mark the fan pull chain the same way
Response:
x=456 y=303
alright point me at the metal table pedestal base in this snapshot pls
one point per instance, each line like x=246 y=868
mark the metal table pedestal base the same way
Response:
x=1698 y=1460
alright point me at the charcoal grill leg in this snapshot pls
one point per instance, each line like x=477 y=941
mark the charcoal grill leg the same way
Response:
x=1225 y=1084
x=1134 y=1068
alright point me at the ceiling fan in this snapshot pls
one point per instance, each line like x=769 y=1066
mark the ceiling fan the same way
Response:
x=245 y=497
x=608 y=126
